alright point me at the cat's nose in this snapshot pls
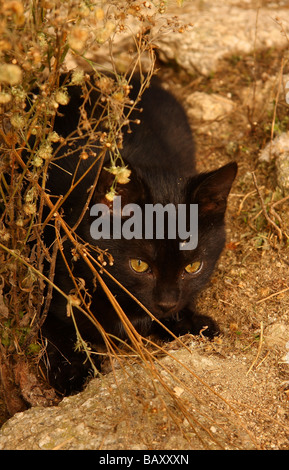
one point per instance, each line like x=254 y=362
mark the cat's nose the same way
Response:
x=166 y=305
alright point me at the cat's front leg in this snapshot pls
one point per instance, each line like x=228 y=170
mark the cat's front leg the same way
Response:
x=66 y=368
x=67 y=374
x=187 y=321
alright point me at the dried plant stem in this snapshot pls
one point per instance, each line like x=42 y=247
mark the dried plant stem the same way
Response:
x=259 y=348
x=269 y=220
x=276 y=101
x=272 y=295
x=251 y=193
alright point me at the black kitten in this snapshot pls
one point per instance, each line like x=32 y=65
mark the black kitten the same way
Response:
x=165 y=279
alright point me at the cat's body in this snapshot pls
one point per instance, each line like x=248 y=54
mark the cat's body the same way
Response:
x=160 y=153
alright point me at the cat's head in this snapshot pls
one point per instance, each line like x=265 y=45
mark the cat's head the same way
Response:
x=164 y=277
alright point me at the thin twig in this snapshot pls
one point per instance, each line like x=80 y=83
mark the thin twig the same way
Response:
x=272 y=295
x=259 y=349
x=276 y=102
x=251 y=193
x=269 y=220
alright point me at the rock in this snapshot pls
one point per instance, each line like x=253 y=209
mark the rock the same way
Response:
x=277 y=335
x=260 y=98
x=208 y=107
x=279 y=150
x=220 y=29
x=273 y=149
x=169 y=406
x=282 y=169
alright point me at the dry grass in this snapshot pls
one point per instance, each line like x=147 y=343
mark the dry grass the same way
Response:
x=38 y=39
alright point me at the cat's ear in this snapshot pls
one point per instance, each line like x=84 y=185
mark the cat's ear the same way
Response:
x=131 y=191
x=213 y=189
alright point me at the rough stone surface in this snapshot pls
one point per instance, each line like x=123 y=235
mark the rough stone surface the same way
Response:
x=277 y=334
x=220 y=29
x=278 y=150
x=204 y=107
x=129 y=410
x=211 y=31
x=282 y=166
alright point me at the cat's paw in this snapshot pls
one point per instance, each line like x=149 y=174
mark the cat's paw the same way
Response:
x=205 y=325
x=187 y=322
x=67 y=378
x=66 y=374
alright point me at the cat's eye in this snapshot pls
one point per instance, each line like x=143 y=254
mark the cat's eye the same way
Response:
x=139 y=266
x=194 y=267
